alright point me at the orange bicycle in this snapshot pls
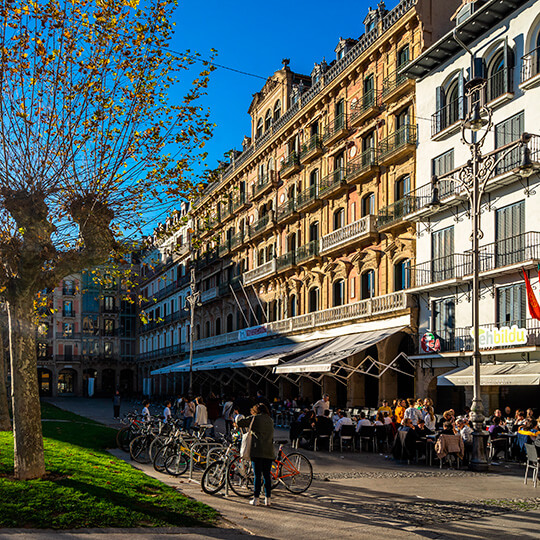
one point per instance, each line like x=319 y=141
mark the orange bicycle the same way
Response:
x=293 y=470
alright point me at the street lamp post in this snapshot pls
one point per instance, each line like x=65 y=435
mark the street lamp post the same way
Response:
x=192 y=301
x=473 y=178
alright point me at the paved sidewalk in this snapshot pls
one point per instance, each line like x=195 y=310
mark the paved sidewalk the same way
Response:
x=367 y=496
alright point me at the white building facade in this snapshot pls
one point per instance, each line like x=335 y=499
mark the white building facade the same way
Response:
x=504 y=37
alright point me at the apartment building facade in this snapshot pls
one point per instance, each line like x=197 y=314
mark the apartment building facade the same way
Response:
x=302 y=237
x=504 y=37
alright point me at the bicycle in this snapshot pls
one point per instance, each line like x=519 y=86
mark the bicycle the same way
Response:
x=293 y=470
x=129 y=432
x=215 y=475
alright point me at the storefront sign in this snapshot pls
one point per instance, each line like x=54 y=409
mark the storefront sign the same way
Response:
x=501 y=337
x=430 y=343
x=252 y=333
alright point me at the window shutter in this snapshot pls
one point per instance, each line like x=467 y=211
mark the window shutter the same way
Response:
x=508 y=66
x=461 y=95
x=439 y=104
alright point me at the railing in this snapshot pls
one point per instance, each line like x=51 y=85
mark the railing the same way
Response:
x=238 y=202
x=337 y=126
x=286 y=209
x=509 y=251
x=209 y=294
x=164 y=352
x=367 y=101
x=362 y=45
x=68 y=335
x=393 y=81
x=396 y=212
x=460 y=339
x=314 y=143
x=332 y=181
x=262 y=183
x=530 y=65
x=69 y=313
x=207 y=258
x=307 y=251
x=307 y=196
x=234 y=282
x=259 y=225
x=404 y=136
x=353 y=231
x=451 y=266
x=500 y=83
x=285 y=261
x=291 y=162
x=264 y=270
x=448 y=115
x=365 y=161
x=69 y=291
x=236 y=240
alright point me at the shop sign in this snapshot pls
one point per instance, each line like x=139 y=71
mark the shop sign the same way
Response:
x=252 y=333
x=430 y=343
x=501 y=337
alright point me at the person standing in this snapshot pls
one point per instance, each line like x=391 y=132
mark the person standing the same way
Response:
x=189 y=412
x=322 y=405
x=146 y=410
x=167 y=413
x=262 y=450
x=201 y=413
x=228 y=413
x=116 y=404
x=413 y=413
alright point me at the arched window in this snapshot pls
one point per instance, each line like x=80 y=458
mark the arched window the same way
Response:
x=218 y=326
x=198 y=332
x=207 y=329
x=277 y=110
x=338 y=292
x=313 y=299
x=268 y=120
x=260 y=127
x=367 y=285
x=339 y=219
x=314 y=231
x=229 y=323
x=453 y=104
x=260 y=259
x=402 y=275
x=293 y=306
x=368 y=205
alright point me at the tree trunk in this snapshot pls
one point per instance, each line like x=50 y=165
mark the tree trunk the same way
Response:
x=29 y=459
x=5 y=420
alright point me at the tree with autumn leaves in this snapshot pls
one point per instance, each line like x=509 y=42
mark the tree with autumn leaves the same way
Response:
x=92 y=139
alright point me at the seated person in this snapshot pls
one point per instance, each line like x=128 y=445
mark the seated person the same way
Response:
x=421 y=430
x=324 y=423
x=465 y=430
x=363 y=421
x=308 y=420
x=406 y=425
x=387 y=418
x=448 y=416
x=496 y=428
x=379 y=419
x=344 y=420
x=448 y=429
x=384 y=408
x=335 y=416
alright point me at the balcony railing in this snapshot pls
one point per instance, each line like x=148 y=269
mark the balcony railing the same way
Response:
x=238 y=202
x=285 y=261
x=448 y=115
x=234 y=282
x=69 y=291
x=206 y=258
x=500 y=83
x=307 y=251
x=393 y=81
x=290 y=165
x=360 y=165
x=209 y=294
x=404 y=136
x=456 y=265
x=286 y=210
x=336 y=129
x=164 y=352
x=332 y=182
x=236 y=240
x=69 y=313
x=396 y=212
x=530 y=65
x=354 y=231
x=367 y=102
x=307 y=197
x=68 y=335
x=260 y=225
x=311 y=148
x=262 y=271
x=263 y=183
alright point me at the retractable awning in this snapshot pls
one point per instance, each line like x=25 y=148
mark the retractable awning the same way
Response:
x=507 y=374
x=324 y=358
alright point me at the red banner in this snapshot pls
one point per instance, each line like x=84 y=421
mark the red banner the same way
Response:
x=534 y=308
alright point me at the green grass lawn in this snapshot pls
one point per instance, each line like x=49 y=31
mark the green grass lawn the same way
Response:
x=86 y=486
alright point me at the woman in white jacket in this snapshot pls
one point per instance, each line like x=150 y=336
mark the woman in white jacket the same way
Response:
x=201 y=413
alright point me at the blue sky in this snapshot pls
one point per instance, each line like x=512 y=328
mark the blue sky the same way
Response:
x=254 y=37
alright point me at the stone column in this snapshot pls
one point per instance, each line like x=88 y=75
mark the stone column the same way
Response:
x=387 y=351
x=356 y=396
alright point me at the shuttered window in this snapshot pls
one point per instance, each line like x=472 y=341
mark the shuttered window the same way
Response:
x=443 y=164
x=508 y=132
x=511 y=305
x=445 y=322
x=509 y=234
x=442 y=250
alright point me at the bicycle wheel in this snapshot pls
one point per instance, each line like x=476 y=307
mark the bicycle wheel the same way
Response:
x=176 y=464
x=274 y=474
x=138 y=449
x=296 y=472
x=123 y=438
x=162 y=454
x=240 y=477
x=213 y=478
x=155 y=447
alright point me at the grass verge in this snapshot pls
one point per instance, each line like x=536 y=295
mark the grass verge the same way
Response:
x=87 y=487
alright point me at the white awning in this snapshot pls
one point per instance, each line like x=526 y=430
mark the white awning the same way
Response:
x=166 y=369
x=323 y=358
x=506 y=374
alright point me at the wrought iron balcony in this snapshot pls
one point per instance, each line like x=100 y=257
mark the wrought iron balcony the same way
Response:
x=332 y=183
x=359 y=230
x=239 y=203
x=164 y=352
x=449 y=267
x=396 y=212
x=530 y=69
x=70 y=313
x=286 y=211
x=307 y=252
x=365 y=107
x=263 y=185
x=448 y=118
x=237 y=241
x=205 y=259
x=396 y=84
x=68 y=335
x=362 y=166
x=260 y=226
x=263 y=271
x=209 y=294
x=308 y=198
x=69 y=291
x=336 y=130
x=225 y=288
x=285 y=261
x=224 y=248
x=500 y=84
x=402 y=140
x=311 y=150
x=290 y=166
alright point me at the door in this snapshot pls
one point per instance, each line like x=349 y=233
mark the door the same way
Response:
x=509 y=234
x=444 y=323
x=368 y=98
x=505 y=133
x=442 y=251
